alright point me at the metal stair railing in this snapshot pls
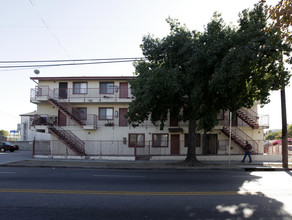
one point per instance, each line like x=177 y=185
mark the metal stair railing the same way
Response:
x=67 y=109
x=69 y=139
x=238 y=135
x=62 y=104
x=66 y=136
x=248 y=116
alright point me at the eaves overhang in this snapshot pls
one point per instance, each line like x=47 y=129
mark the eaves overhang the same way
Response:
x=61 y=78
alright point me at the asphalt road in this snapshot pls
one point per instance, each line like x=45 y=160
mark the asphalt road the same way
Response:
x=64 y=193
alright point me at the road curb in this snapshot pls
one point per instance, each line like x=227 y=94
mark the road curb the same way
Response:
x=139 y=167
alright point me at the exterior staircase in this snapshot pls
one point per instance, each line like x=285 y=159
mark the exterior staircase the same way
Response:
x=67 y=111
x=236 y=138
x=44 y=93
x=237 y=135
x=249 y=117
x=69 y=139
x=65 y=136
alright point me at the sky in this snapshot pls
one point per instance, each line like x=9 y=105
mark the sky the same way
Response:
x=95 y=29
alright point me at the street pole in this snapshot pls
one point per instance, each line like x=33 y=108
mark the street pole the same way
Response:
x=284 y=130
x=230 y=123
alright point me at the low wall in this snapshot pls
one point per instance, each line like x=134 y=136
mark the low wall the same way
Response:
x=256 y=158
x=261 y=158
x=23 y=145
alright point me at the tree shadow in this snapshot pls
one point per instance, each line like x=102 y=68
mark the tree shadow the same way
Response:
x=245 y=205
x=241 y=200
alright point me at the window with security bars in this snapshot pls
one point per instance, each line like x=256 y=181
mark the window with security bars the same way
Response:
x=137 y=140
x=160 y=140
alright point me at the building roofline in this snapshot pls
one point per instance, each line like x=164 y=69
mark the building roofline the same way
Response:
x=29 y=113
x=84 y=78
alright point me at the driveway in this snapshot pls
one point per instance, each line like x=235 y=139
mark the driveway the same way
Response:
x=8 y=157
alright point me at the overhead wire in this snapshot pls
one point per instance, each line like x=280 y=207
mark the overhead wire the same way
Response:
x=49 y=29
x=76 y=62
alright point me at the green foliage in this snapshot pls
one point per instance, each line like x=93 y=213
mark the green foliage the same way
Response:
x=280 y=22
x=194 y=75
x=277 y=135
x=4 y=133
x=281 y=17
x=253 y=66
x=289 y=131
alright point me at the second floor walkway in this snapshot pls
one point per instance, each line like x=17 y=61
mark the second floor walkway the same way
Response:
x=87 y=95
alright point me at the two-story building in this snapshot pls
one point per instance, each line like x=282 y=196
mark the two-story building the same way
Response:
x=85 y=118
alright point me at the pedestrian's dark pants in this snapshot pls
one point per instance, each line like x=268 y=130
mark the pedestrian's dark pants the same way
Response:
x=247 y=153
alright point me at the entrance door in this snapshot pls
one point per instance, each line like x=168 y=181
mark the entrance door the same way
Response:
x=62 y=119
x=123 y=90
x=174 y=144
x=210 y=144
x=63 y=88
x=122 y=120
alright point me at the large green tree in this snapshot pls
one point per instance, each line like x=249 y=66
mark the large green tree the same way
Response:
x=194 y=75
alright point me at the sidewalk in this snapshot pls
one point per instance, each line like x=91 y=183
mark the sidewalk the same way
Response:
x=147 y=165
x=25 y=159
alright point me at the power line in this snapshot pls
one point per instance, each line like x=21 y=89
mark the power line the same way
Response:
x=49 y=29
x=75 y=60
x=68 y=64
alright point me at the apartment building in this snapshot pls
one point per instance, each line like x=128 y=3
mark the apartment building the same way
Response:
x=85 y=117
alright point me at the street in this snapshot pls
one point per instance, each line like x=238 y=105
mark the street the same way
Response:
x=65 y=193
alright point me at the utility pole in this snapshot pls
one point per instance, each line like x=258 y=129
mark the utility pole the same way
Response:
x=284 y=130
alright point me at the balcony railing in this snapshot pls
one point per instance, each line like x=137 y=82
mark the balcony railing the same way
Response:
x=90 y=122
x=82 y=95
x=263 y=120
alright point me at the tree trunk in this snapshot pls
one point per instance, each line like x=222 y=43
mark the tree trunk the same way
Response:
x=192 y=155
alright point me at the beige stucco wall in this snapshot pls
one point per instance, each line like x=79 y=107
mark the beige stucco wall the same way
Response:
x=99 y=140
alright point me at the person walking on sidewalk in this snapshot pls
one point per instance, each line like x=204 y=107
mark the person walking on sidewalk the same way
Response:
x=247 y=149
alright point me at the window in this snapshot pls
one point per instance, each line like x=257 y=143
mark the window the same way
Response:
x=106 y=113
x=137 y=140
x=160 y=140
x=106 y=87
x=79 y=88
x=80 y=113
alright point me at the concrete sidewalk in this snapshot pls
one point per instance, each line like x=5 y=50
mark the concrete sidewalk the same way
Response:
x=147 y=165
x=25 y=159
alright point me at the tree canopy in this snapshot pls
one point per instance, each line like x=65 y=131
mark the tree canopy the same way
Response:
x=4 y=133
x=273 y=135
x=281 y=18
x=194 y=75
x=280 y=23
